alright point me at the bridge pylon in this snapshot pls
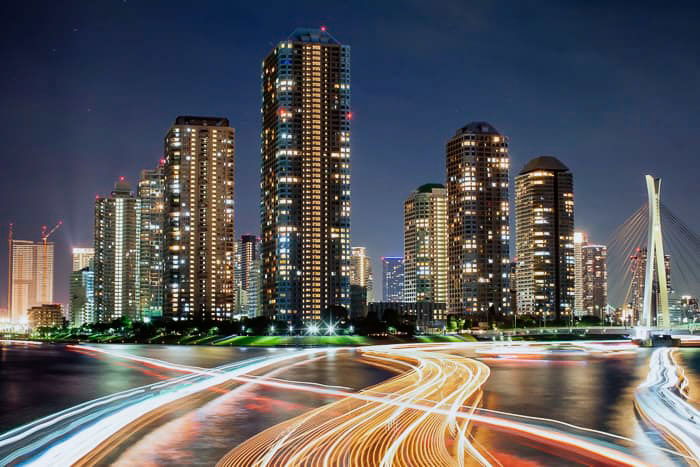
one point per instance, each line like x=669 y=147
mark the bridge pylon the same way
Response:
x=655 y=260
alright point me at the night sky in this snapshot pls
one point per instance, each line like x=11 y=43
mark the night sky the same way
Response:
x=89 y=89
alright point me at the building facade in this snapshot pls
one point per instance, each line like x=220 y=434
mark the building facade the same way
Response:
x=247 y=253
x=254 y=292
x=117 y=233
x=305 y=176
x=31 y=277
x=48 y=315
x=151 y=197
x=82 y=296
x=199 y=209
x=580 y=239
x=392 y=278
x=544 y=224
x=635 y=300
x=425 y=245
x=478 y=220
x=361 y=271
x=594 y=283
x=82 y=258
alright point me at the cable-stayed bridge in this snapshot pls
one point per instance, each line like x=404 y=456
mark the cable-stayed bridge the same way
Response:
x=653 y=264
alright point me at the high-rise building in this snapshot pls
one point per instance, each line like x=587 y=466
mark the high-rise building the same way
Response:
x=425 y=245
x=544 y=224
x=580 y=239
x=31 y=277
x=247 y=252
x=361 y=271
x=594 y=279
x=117 y=233
x=199 y=239
x=361 y=282
x=254 y=292
x=82 y=258
x=82 y=296
x=638 y=264
x=392 y=278
x=478 y=220
x=305 y=176
x=151 y=197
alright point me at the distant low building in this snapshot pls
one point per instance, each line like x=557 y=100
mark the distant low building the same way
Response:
x=44 y=316
x=427 y=316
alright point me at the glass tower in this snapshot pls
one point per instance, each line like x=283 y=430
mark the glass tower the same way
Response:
x=392 y=275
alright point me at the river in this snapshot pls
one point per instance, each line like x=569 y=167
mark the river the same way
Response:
x=592 y=391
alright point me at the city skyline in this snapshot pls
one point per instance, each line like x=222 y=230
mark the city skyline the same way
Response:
x=373 y=159
x=394 y=233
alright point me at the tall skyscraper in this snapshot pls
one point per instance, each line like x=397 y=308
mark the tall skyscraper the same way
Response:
x=82 y=296
x=425 y=245
x=544 y=224
x=82 y=258
x=361 y=271
x=595 y=279
x=117 y=233
x=247 y=252
x=31 y=277
x=392 y=278
x=151 y=197
x=199 y=239
x=590 y=277
x=478 y=220
x=580 y=239
x=305 y=176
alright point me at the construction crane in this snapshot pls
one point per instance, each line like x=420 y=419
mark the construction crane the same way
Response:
x=45 y=234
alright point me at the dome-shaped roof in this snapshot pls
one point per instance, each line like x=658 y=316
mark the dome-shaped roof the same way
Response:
x=428 y=187
x=544 y=163
x=484 y=128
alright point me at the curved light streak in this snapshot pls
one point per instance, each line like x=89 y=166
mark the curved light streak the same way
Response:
x=661 y=401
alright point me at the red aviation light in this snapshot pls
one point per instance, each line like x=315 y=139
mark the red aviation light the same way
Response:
x=323 y=28
x=349 y=115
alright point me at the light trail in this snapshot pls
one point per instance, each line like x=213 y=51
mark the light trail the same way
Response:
x=19 y=342
x=661 y=402
x=420 y=422
x=65 y=437
x=148 y=361
x=422 y=416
